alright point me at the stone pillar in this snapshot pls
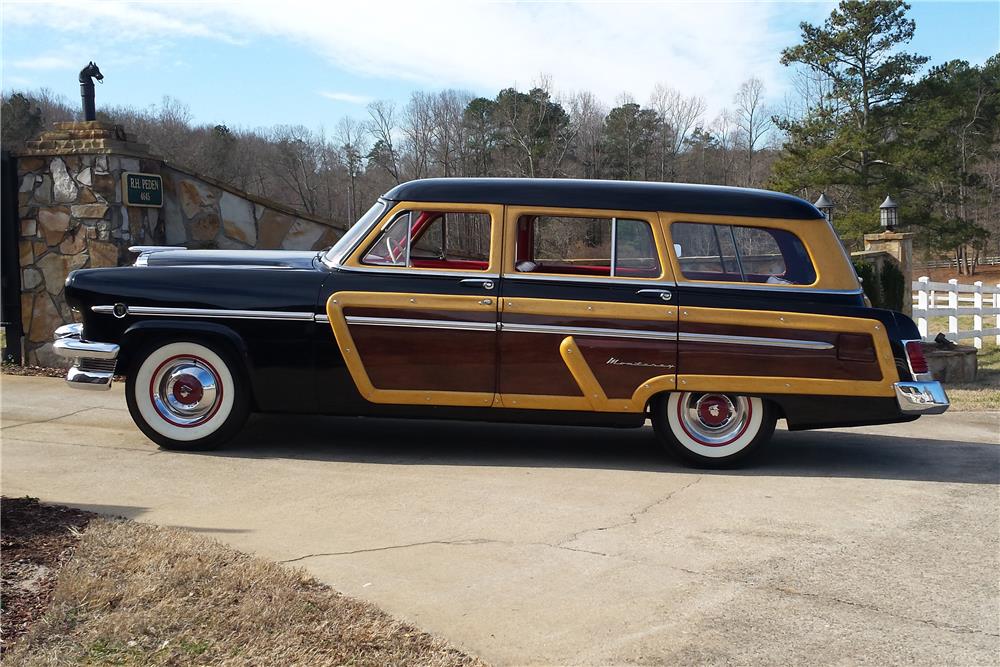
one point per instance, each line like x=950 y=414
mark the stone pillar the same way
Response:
x=900 y=246
x=72 y=216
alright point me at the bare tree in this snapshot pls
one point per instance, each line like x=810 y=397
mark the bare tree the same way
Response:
x=679 y=116
x=381 y=127
x=418 y=128
x=350 y=137
x=587 y=118
x=752 y=120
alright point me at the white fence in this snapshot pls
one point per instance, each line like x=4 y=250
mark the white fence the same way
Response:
x=953 y=300
x=941 y=263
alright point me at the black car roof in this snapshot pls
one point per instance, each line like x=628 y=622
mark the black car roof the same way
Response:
x=621 y=195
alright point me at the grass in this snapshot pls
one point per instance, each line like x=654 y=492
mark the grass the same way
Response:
x=984 y=393
x=136 y=594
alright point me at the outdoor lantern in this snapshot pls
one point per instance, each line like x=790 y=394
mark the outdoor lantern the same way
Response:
x=889 y=214
x=825 y=207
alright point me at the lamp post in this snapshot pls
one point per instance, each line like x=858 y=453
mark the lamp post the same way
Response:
x=825 y=207
x=889 y=214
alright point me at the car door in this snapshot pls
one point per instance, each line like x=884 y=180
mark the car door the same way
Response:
x=586 y=314
x=414 y=307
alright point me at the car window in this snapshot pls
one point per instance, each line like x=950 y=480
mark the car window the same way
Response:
x=735 y=253
x=584 y=246
x=433 y=240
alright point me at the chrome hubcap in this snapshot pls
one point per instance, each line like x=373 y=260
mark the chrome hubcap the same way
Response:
x=185 y=391
x=714 y=419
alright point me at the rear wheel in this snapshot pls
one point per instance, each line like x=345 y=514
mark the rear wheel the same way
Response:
x=187 y=395
x=712 y=430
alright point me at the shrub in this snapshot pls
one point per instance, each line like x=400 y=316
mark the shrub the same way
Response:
x=885 y=288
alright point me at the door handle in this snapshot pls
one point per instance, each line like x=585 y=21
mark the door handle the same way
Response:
x=476 y=282
x=662 y=294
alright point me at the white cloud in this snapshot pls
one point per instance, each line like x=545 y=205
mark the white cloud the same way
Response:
x=350 y=98
x=43 y=62
x=702 y=49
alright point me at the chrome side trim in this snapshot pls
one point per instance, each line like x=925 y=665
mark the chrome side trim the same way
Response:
x=921 y=398
x=321 y=319
x=596 y=280
x=588 y=331
x=803 y=289
x=420 y=324
x=411 y=271
x=755 y=340
x=157 y=311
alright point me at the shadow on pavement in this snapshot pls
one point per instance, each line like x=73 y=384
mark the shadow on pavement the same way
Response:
x=135 y=512
x=408 y=442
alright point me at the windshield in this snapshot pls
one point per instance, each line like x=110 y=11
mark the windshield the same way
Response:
x=335 y=254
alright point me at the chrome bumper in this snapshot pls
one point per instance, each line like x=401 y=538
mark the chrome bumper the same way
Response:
x=921 y=398
x=93 y=363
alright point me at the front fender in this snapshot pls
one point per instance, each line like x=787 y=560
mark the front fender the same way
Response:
x=136 y=334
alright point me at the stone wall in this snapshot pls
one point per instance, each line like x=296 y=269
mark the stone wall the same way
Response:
x=70 y=219
x=72 y=216
x=200 y=212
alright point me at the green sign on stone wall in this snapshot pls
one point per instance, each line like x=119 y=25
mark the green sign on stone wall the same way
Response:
x=142 y=189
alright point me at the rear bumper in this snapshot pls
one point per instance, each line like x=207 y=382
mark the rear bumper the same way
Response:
x=93 y=363
x=921 y=398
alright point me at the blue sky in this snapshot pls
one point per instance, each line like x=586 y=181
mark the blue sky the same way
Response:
x=251 y=64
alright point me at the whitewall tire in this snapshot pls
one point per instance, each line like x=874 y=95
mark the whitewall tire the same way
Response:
x=712 y=429
x=187 y=395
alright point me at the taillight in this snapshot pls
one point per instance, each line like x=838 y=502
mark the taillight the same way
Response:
x=915 y=355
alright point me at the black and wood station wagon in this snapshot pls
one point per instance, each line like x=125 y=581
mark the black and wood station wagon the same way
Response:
x=711 y=311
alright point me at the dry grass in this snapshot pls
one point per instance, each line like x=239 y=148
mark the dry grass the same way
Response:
x=136 y=594
x=984 y=393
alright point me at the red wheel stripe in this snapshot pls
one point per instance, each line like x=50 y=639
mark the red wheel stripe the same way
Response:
x=218 y=400
x=736 y=437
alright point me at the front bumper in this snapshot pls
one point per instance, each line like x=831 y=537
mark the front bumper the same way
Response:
x=921 y=398
x=93 y=363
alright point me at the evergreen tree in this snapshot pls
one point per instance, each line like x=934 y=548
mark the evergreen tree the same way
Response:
x=846 y=141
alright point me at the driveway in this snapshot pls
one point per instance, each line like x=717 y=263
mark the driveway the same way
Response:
x=550 y=545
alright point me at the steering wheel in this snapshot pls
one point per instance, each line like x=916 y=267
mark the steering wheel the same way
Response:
x=388 y=248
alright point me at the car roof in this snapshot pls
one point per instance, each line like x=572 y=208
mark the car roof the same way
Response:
x=616 y=195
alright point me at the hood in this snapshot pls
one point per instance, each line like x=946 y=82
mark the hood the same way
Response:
x=278 y=259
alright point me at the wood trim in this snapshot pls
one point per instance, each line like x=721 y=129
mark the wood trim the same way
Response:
x=335 y=306
x=791 y=322
x=611 y=310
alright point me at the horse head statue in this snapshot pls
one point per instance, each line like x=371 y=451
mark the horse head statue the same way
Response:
x=87 y=74
x=91 y=70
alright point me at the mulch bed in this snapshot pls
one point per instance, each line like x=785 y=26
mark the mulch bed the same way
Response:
x=40 y=371
x=36 y=541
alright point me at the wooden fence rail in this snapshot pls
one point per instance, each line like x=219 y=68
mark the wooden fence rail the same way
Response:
x=954 y=300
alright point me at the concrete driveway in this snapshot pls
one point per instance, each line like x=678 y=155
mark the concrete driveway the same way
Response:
x=553 y=545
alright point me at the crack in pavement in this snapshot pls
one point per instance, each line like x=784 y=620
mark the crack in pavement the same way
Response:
x=83 y=444
x=51 y=419
x=861 y=605
x=394 y=546
x=633 y=517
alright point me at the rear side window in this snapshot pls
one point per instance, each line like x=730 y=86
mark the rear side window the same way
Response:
x=611 y=247
x=733 y=253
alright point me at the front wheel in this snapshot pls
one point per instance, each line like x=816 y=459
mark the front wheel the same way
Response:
x=712 y=430
x=186 y=395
